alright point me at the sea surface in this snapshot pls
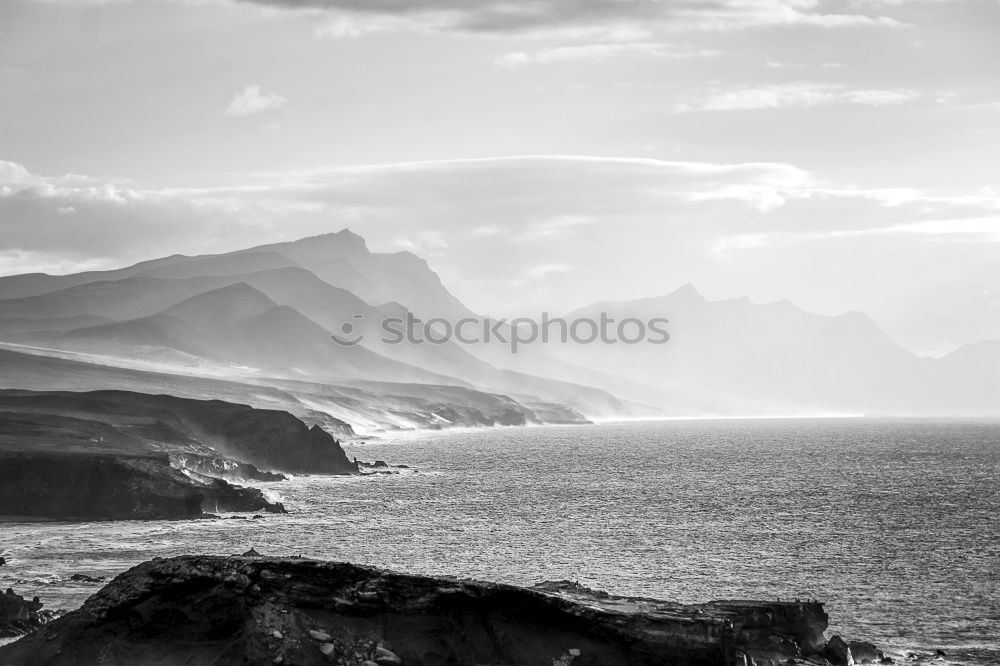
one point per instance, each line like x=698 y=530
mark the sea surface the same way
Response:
x=893 y=524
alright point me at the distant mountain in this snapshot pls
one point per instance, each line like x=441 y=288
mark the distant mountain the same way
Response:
x=239 y=325
x=174 y=266
x=141 y=297
x=776 y=358
x=343 y=260
x=974 y=367
x=127 y=298
x=269 y=311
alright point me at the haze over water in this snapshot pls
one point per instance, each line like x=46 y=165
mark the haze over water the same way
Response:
x=892 y=523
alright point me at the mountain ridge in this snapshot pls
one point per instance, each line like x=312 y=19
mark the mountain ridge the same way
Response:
x=274 y=307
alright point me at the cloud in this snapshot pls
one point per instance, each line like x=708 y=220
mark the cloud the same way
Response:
x=12 y=173
x=555 y=226
x=538 y=196
x=427 y=243
x=775 y=64
x=250 y=101
x=70 y=223
x=487 y=230
x=800 y=94
x=544 y=270
x=357 y=17
x=972 y=230
x=548 y=200
x=624 y=226
x=597 y=52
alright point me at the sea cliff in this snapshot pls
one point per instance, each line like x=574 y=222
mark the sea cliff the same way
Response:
x=82 y=486
x=128 y=421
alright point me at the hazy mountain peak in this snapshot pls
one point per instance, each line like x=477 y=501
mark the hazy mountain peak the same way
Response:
x=687 y=291
x=339 y=243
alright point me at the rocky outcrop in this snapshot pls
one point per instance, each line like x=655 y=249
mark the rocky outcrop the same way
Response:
x=20 y=616
x=258 y=610
x=223 y=468
x=80 y=486
x=843 y=653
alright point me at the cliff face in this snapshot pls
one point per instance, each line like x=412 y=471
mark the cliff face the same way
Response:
x=126 y=421
x=262 y=611
x=109 y=487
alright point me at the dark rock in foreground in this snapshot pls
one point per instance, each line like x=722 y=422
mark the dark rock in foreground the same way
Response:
x=20 y=616
x=81 y=486
x=254 y=610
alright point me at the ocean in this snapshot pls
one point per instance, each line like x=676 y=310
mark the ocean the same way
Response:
x=892 y=523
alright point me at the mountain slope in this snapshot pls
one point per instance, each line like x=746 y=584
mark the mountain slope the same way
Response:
x=343 y=260
x=330 y=307
x=367 y=406
x=238 y=324
x=174 y=266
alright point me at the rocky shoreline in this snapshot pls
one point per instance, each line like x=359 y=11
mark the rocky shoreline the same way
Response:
x=122 y=455
x=259 y=610
x=20 y=616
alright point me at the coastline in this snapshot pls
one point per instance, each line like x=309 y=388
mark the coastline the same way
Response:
x=442 y=516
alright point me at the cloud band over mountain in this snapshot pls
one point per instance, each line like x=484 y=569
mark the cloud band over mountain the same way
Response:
x=719 y=224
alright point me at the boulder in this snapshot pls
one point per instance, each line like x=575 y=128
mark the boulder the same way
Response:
x=386 y=657
x=838 y=652
x=20 y=616
x=865 y=653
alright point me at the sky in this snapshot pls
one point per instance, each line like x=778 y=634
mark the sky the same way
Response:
x=540 y=154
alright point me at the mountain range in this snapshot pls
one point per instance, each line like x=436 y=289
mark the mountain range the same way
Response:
x=256 y=325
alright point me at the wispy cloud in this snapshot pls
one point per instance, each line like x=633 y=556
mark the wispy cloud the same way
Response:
x=544 y=270
x=536 y=202
x=799 y=94
x=598 y=52
x=356 y=17
x=974 y=230
x=428 y=242
x=251 y=101
x=555 y=226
